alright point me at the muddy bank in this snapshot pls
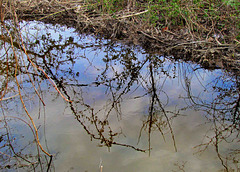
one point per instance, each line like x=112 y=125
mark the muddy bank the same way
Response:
x=126 y=26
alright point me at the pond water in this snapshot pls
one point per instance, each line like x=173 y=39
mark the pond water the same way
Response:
x=110 y=107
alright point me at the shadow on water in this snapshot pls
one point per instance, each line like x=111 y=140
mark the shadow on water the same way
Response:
x=104 y=85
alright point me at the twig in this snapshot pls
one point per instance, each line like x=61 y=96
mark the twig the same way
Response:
x=168 y=31
x=130 y=146
x=101 y=165
x=153 y=37
x=131 y=15
x=3 y=99
x=52 y=14
x=188 y=43
x=20 y=95
x=237 y=41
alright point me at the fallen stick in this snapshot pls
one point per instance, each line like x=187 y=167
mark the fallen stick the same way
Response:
x=131 y=15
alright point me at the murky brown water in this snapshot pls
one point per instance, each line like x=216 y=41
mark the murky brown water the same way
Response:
x=123 y=102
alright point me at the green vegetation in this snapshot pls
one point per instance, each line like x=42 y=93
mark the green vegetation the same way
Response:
x=200 y=20
x=200 y=17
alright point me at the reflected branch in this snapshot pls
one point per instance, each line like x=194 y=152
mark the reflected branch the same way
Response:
x=222 y=112
x=155 y=96
x=93 y=119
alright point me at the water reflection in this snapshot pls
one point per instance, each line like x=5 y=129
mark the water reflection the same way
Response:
x=117 y=95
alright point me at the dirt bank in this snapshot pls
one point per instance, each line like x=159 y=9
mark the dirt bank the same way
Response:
x=211 y=51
